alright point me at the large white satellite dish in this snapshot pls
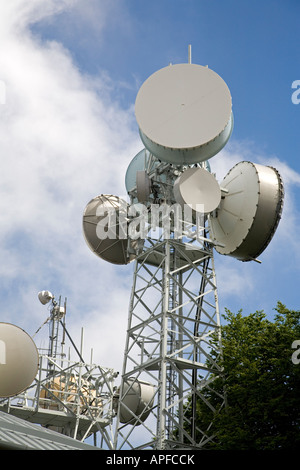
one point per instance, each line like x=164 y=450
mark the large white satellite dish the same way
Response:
x=199 y=189
x=105 y=229
x=19 y=360
x=184 y=113
x=249 y=213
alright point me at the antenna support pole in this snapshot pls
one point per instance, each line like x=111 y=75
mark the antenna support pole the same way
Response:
x=190 y=54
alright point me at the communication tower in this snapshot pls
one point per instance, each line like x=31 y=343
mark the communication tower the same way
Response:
x=176 y=217
x=54 y=389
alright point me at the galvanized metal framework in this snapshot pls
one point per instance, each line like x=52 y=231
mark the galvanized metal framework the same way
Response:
x=70 y=396
x=173 y=318
x=173 y=342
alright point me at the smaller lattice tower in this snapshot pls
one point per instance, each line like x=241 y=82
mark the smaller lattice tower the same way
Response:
x=68 y=395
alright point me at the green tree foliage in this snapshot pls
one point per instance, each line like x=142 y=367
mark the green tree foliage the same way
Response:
x=261 y=381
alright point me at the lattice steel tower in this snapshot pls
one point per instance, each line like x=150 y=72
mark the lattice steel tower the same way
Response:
x=177 y=215
x=172 y=318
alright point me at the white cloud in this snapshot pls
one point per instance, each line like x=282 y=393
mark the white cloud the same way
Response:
x=61 y=144
x=16 y=15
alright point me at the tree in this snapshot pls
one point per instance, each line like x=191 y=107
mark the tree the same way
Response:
x=261 y=381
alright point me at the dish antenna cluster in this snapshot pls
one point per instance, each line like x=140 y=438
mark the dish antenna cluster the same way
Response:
x=177 y=216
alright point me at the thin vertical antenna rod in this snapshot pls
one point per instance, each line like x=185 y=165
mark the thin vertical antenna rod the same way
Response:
x=190 y=54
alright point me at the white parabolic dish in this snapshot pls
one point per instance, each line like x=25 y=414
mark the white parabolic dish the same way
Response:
x=249 y=213
x=198 y=189
x=184 y=113
x=19 y=360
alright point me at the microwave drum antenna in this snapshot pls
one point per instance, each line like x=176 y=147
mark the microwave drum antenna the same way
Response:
x=104 y=228
x=184 y=113
x=249 y=212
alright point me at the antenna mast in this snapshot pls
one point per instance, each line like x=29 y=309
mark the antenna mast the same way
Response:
x=178 y=215
x=57 y=318
x=190 y=54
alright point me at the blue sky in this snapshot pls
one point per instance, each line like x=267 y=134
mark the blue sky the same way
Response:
x=72 y=69
x=252 y=44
